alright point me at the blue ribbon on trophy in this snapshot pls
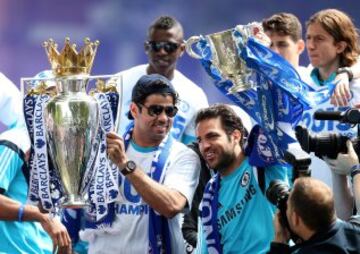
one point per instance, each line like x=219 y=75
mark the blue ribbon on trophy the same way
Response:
x=262 y=83
x=71 y=127
x=44 y=182
x=106 y=175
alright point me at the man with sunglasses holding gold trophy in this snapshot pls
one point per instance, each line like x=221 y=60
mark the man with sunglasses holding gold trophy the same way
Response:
x=164 y=47
x=158 y=176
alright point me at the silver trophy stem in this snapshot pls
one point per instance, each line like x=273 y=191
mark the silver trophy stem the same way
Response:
x=74 y=201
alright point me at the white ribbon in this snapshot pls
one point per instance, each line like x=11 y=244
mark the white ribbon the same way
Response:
x=40 y=178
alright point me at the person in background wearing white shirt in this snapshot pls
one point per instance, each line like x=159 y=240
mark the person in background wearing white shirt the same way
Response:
x=285 y=32
x=11 y=114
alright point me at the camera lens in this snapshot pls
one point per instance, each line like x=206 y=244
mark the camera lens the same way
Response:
x=277 y=193
x=329 y=145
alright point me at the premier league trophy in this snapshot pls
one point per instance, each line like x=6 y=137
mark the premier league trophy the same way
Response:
x=71 y=117
x=71 y=127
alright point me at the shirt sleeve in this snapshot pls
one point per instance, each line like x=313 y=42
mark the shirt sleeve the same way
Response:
x=10 y=162
x=276 y=172
x=183 y=173
x=10 y=103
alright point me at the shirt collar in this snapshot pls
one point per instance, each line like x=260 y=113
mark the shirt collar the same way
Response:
x=315 y=76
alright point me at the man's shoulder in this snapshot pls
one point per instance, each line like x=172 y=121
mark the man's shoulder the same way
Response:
x=180 y=153
x=189 y=92
x=137 y=70
x=184 y=82
x=179 y=147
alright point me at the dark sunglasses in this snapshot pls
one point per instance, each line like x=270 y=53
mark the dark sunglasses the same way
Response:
x=155 y=110
x=168 y=46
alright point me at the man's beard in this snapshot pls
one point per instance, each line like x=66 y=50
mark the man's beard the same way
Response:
x=227 y=158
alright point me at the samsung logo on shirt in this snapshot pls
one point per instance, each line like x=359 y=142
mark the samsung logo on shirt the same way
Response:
x=237 y=209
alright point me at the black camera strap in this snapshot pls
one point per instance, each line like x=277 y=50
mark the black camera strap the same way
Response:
x=261 y=178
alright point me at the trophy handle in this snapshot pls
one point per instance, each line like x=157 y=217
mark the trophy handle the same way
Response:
x=188 y=46
x=118 y=116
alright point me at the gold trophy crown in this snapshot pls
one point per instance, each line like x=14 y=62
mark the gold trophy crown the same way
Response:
x=70 y=62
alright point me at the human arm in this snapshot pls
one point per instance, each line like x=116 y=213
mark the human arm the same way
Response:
x=342 y=94
x=10 y=210
x=356 y=190
x=167 y=199
x=280 y=243
x=341 y=168
x=13 y=210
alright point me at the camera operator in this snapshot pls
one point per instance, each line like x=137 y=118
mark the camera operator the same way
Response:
x=343 y=166
x=311 y=216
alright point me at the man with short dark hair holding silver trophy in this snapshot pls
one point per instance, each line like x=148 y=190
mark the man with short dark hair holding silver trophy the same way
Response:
x=158 y=176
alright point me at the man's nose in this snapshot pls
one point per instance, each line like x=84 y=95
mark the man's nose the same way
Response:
x=204 y=146
x=162 y=116
x=162 y=52
x=310 y=44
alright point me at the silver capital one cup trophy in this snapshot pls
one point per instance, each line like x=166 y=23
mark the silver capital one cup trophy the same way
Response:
x=224 y=55
x=71 y=117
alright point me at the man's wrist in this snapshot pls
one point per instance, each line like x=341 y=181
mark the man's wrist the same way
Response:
x=129 y=168
x=346 y=70
x=355 y=170
x=279 y=238
x=21 y=212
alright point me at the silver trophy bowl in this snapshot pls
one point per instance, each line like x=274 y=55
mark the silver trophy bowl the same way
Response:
x=71 y=121
x=224 y=57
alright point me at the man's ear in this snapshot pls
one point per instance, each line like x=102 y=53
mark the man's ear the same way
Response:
x=340 y=46
x=300 y=46
x=237 y=136
x=297 y=219
x=134 y=110
x=146 y=48
x=182 y=49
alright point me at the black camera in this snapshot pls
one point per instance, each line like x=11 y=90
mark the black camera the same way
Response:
x=278 y=193
x=330 y=144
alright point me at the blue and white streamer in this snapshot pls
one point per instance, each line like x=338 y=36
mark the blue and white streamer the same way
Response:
x=29 y=106
x=40 y=183
x=277 y=101
x=104 y=187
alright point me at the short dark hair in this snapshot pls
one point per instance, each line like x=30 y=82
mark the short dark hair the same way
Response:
x=152 y=84
x=313 y=201
x=165 y=23
x=284 y=24
x=340 y=26
x=230 y=121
